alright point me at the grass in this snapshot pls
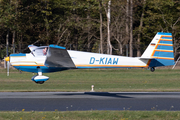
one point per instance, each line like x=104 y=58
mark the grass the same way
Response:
x=91 y=115
x=104 y=80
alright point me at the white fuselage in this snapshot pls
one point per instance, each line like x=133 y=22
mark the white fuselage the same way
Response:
x=95 y=60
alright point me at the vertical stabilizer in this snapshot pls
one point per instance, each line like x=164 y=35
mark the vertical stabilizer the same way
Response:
x=160 y=50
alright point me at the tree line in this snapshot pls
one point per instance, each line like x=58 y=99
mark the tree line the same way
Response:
x=122 y=27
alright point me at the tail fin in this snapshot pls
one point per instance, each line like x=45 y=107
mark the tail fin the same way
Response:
x=160 y=50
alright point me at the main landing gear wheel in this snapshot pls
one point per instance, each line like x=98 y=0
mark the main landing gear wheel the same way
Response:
x=40 y=82
x=152 y=69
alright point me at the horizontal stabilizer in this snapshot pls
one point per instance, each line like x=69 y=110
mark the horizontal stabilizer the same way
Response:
x=143 y=58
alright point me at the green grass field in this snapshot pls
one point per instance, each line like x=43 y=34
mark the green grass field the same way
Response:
x=91 y=115
x=104 y=80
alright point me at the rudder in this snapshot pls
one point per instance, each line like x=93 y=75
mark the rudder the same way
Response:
x=160 y=50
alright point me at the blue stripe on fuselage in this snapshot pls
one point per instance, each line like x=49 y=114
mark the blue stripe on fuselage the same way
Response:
x=44 y=69
x=18 y=54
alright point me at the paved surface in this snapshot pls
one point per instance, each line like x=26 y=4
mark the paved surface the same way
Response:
x=71 y=101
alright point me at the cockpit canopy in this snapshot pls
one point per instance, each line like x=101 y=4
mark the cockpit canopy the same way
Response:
x=38 y=51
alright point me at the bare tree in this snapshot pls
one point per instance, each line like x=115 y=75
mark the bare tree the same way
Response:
x=131 y=29
x=108 y=10
x=118 y=26
x=140 y=29
x=61 y=31
x=100 y=28
x=127 y=20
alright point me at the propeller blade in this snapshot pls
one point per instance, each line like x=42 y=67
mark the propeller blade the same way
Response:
x=8 y=65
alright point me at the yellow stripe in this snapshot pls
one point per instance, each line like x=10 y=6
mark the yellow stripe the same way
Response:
x=165 y=36
x=163 y=50
x=111 y=66
x=28 y=62
x=163 y=58
x=25 y=62
x=29 y=65
x=166 y=39
x=165 y=44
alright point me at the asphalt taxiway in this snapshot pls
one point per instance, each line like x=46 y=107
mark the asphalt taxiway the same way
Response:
x=73 y=101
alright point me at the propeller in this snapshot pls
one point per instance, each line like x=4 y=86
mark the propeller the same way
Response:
x=8 y=64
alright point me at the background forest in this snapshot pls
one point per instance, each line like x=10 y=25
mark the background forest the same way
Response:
x=122 y=27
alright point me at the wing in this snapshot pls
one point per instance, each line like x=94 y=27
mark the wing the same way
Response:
x=58 y=56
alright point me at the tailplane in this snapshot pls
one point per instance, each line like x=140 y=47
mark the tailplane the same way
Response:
x=160 y=50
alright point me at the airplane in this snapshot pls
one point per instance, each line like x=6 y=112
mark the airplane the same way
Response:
x=53 y=58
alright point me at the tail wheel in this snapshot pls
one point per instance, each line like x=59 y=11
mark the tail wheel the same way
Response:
x=152 y=69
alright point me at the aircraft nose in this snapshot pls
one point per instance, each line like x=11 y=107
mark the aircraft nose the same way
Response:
x=6 y=59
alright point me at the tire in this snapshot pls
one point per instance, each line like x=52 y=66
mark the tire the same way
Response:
x=40 y=82
x=152 y=69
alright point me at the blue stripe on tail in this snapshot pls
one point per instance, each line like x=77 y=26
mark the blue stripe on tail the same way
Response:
x=161 y=62
x=166 y=42
x=161 y=33
x=163 y=52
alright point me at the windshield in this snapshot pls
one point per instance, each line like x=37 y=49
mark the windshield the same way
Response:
x=40 y=51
